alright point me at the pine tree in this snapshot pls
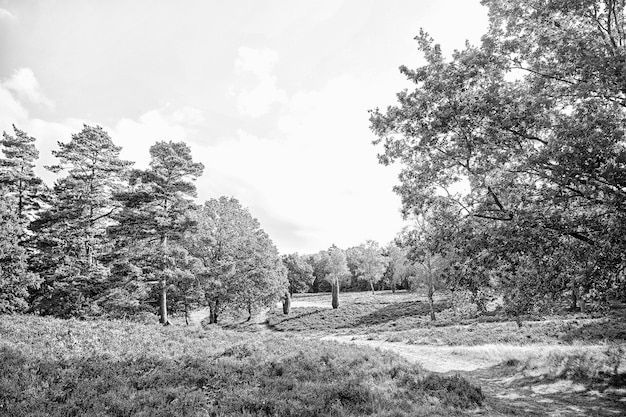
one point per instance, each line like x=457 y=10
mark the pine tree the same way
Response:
x=72 y=233
x=156 y=215
x=17 y=174
x=15 y=279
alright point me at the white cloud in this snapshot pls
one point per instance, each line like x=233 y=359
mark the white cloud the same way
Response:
x=11 y=110
x=24 y=84
x=136 y=136
x=257 y=99
x=5 y=14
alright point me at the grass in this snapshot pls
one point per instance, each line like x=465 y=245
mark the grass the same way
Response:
x=404 y=317
x=113 y=368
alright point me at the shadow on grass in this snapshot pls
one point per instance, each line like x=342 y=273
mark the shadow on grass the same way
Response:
x=509 y=394
x=612 y=328
x=299 y=319
x=400 y=310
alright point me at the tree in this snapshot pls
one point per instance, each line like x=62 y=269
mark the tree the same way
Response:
x=370 y=263
x=299 y=273
x=241 y=267
x=22 y=194
x=336 y=271
x=17 y=174
x=428 y=254
x=71 y=234
x=531 y=122
x=15 y=279
x=399 y=268
x=157 y=212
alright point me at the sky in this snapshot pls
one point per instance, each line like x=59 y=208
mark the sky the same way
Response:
x=272 y=96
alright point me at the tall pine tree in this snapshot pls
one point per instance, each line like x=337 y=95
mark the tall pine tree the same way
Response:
x=155 y=217
x=72 y=233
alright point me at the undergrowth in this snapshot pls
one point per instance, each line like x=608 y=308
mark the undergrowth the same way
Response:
x=99 y=368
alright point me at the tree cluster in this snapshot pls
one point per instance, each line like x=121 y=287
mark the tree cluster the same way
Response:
x=110 y=240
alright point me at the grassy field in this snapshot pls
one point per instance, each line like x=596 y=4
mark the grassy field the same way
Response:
x=570 y=364
x=376 y=355
x=403 y=317
x=53 y=367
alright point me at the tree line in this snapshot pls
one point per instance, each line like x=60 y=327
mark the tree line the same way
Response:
x=110 y=240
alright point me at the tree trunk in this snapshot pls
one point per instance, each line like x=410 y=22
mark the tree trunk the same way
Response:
x=393 y=287
x=372 y=287
x=213 y=312
x=335 y=292
x=186 y=315
x=163 y=304
x=574 y=305
x=286 y=304
x=249 y=312
x=431 y=302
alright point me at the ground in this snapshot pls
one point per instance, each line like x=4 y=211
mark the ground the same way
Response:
x=548 y=367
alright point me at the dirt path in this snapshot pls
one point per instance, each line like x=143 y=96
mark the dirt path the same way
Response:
x=509 y=391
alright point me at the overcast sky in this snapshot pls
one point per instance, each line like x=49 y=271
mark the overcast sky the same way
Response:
x=271 y=95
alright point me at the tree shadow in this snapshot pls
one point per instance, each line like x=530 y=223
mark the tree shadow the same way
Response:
x=400 y=310
x=508 y=393
x=612 y=328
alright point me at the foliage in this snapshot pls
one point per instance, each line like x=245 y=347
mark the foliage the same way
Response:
x=15 y=278
x=299 y=273
x=335 y=270
x=155 y=217
x=399 y=268
x=370 y=262
x=240 y=264
x=17 y=175
x=529 y=125
x=71 y=233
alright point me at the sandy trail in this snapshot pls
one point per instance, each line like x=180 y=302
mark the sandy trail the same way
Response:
x=461 y=358
x=508 y=390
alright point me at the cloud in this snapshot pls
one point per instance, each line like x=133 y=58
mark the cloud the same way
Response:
x=315 y=180
x=11 y=110
x=257 y=98
x=5 y=14
x=24 y=84
x=136 y=136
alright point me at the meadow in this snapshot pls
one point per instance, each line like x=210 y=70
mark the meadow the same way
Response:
x=564 y=364
x=51 y=367
x=376 y=355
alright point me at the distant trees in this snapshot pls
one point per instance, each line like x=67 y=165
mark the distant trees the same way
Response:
x=522 y=139
x=370 y=263
x=299 y=273
x=399 y=268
